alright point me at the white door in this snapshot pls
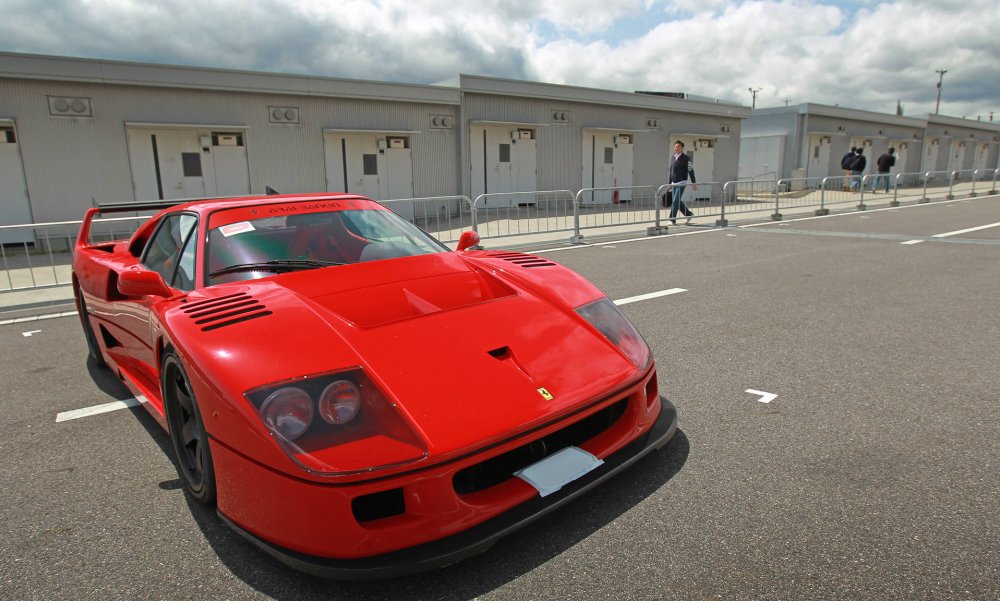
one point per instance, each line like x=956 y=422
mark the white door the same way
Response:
x=227 y=170
x=502 y=160
x=180 y=163
x=598 y=166
x=181 y=170
x=395 y=167
x=902 y=151
x=623 y=166
x=931 y=155
x=14 y=205
x=360 y=164
x=956 y=159
x=761 y=156
x=396 y=163
x=819 y=157
x=523 y=166
x=982 y=155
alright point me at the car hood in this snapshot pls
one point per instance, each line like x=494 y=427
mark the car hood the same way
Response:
x=461 y=342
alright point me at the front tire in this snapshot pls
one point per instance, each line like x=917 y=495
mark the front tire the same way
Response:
x=187 y=431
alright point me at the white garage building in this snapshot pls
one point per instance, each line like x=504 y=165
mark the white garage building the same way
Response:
x=78 y=131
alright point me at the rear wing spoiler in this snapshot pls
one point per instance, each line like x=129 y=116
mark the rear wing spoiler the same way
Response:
x=83 y=238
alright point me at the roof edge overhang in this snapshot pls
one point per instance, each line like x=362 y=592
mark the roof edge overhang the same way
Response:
x=391 y=132
x=694 y=135
x=85 y=70
x=624 y=130
x=478 y=84
x=149 y=125
x=491 y=123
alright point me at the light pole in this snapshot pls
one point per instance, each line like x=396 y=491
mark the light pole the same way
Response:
x=754 y=93
x=940 y=73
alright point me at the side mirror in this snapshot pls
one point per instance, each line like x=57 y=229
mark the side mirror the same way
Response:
x=468 y=240
x=143 y=283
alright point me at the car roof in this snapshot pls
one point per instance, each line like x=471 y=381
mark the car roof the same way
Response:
x=209 y=205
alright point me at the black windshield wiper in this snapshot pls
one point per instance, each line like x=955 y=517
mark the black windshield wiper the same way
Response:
x=275 y=266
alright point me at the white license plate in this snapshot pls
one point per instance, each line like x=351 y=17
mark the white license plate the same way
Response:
x=558 y=470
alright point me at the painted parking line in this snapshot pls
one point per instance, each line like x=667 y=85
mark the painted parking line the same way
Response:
x=66 y=416
x=957 y=232
x=7 y=322
x=642 y=297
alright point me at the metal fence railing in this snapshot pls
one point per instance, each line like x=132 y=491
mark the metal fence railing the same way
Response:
x=41 y=256
x=519 y=213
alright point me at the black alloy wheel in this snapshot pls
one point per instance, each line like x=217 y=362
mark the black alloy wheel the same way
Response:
x=88 y=332
x=187 y=431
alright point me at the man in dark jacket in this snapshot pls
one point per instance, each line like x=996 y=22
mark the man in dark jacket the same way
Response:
x=884 y=163
x=858 y=169
x=681 y=171
x=845 y=163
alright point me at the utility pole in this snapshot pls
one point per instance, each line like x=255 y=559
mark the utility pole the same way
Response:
x=940 y=73
x=754 y=93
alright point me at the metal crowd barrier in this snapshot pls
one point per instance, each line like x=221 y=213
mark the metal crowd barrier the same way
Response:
x=41 y=258
x=38 y=255
x=519 y=213
x=445 y=217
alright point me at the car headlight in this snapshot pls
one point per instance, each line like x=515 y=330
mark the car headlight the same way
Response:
x=610 y=321
x=357 y=429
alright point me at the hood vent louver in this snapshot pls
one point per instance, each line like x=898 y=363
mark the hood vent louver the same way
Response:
x=523 y=260
x=225 y=311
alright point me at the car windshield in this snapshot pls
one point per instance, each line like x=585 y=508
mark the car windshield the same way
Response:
x=259 y=248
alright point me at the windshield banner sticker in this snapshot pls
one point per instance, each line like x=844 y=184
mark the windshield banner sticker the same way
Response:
x=236 y=228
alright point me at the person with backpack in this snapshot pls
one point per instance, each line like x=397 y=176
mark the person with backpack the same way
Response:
x=858 y=169
x=884 y=164
x=845 y=164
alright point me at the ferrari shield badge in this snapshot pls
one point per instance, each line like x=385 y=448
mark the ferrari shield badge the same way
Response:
x=545 y=394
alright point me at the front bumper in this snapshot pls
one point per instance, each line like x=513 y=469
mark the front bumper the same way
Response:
x=479 y=538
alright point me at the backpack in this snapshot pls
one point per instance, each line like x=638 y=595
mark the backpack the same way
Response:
x=847 y=161
x=859 y=163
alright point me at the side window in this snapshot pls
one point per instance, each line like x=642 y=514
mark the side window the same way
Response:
x=184 y=278
x=163 y=253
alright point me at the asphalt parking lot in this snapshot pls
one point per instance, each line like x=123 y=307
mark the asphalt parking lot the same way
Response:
x=874 y=473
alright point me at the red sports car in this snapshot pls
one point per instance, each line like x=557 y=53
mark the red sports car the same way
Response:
x=356 y=398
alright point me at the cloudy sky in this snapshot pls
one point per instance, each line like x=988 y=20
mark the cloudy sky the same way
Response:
x=856 y=53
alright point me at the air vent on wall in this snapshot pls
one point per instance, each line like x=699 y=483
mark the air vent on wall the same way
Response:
x=523 y=260
x=69 y=106
x=225 y=311
x=283 y=114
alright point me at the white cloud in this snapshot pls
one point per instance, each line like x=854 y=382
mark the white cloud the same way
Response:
x=863 y=54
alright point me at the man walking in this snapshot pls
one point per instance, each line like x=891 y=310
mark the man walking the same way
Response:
x=681 y=170
x=858 y=169
x=845 y=163
x=885 y=163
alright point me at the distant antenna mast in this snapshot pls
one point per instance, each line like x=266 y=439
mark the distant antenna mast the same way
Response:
x=940 y=73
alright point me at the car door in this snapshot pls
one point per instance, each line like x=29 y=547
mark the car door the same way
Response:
x=171 y=252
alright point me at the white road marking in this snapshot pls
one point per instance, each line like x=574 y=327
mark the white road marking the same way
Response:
x=766 y=397
x=956 y=232
x=30 y=334
x=642 y=297
x=7 y=322
x=65 y=416
x=965 y=231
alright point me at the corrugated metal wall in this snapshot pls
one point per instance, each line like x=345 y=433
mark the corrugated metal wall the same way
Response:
x=560 y=145
x=70 y=160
